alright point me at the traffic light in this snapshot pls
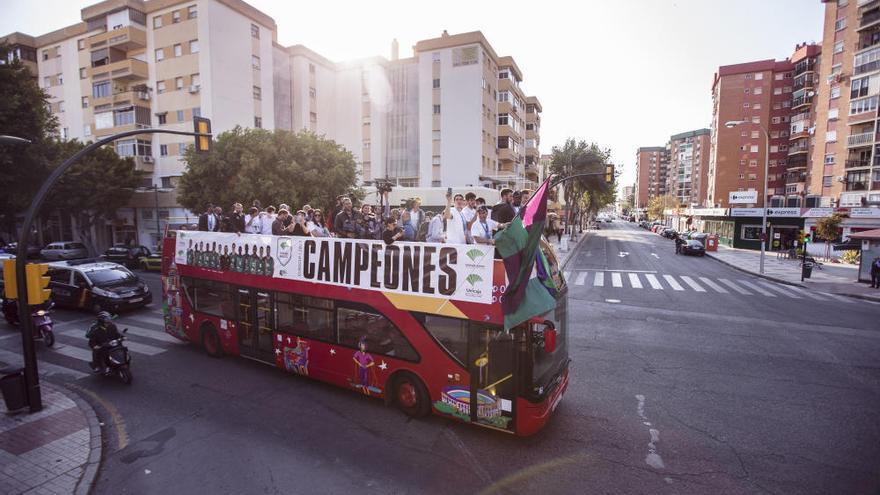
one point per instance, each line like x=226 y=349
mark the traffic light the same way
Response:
x=202 y=126
x=609 y=173
x=10 y=284
x=37 y=283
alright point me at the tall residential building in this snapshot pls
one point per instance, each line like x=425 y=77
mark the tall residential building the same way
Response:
x=845 y=162
x=652 y=172
x=689 y=166
x=760 y=93
x=803 y=126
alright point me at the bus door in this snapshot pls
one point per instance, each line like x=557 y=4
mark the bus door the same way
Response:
x=492 y=364
x=255 y=324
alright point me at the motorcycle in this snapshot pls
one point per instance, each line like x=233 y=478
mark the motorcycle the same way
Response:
x=39 y=315
x=117 y=359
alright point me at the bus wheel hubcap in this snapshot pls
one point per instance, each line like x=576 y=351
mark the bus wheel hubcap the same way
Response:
x=407 y=394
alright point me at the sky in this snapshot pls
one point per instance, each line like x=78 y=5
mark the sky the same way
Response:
x=622 y=73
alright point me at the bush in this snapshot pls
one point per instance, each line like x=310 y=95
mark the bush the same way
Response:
x=851 y=257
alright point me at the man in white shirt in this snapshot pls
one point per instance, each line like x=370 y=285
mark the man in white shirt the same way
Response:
x=456 y=223
x=435 y=229
x=267 y=220
x=482 y=229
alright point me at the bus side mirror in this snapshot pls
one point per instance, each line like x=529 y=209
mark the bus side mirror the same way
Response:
x=546 y=337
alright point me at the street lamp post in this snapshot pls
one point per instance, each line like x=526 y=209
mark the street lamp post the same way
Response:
x=731 y=124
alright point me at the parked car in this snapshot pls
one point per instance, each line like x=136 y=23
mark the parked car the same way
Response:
x=694 y=247
x=151 y=262
x=65 y=250
x=97 y=286
x=32 y=251
x=130 y=256
x=668 y=233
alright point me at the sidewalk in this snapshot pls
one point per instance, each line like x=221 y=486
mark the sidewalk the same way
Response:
x=564 y=256
x=55 y=451
x=833 y=278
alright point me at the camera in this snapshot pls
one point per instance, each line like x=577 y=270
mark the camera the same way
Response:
x=384 y=186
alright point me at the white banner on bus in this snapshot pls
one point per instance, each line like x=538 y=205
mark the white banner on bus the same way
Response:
x=460 y=272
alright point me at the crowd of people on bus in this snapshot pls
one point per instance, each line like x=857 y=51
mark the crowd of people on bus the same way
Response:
x=466 y=219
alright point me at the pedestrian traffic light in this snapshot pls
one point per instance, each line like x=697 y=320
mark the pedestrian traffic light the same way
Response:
x=38 y=290
x=10 y=284
x=202 y=127
x=609 y=173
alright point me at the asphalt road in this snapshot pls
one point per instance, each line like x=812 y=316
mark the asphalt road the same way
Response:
x=740 y=386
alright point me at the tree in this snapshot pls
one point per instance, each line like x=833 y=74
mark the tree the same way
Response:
x=272 y=166
x=578 y=158
x=24 y=112
x=828 y=229
x=659 y=204
x=92 y=189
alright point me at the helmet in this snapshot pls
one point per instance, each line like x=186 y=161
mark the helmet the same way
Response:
x=104 y=316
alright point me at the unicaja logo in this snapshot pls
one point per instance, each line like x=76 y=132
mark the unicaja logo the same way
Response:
x=473 y=254
x=473 y=278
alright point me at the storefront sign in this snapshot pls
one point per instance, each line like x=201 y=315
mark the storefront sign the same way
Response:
x=742 y=197
x=746 y=212
x=864 y=212
x=461 y=272
x=818 y=212
x=708 y=212
x=783 y=212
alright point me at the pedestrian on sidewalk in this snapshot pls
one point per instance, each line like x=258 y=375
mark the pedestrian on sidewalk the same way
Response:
x=875 y=273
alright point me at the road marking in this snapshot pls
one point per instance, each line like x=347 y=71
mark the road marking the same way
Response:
x=655 y=284
x=734 y=287
x=694 y=285
x=623 y=254
x=615 y=280
x=599 y=279
x=810 y=294
x=612 y=301
x=152 y=334
x=713 y=285
x=79 y=353
x=46 y=368
x=634 y=281
x=143 y=348
x=73 y=352
x=615 y=270
x=567 y=275
x=655 y=255
x=757 y=289
x=582 y=276
x=672 y=282
x=845 y=299
x=780 y=290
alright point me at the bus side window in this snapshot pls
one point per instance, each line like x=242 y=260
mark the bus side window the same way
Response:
x=452 y=333
x=214 y=298
x=380 y=335
x=292 y=316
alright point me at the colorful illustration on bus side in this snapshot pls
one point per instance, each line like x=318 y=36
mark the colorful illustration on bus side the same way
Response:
x=296 y=359
x=456 y=401
x=171 y=308
x=365 y=370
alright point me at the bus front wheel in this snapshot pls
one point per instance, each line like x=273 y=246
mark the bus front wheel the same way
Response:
x=411 y=396
x=210 y=341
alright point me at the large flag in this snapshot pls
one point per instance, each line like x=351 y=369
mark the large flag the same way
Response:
x=530 y=290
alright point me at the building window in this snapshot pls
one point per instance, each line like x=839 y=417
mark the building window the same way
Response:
x=163 y=150
x=85 y=102
x=759 y=76
x=435 y=135
x=157 y=22
x=758 y=91
x=45 y=54
x=435 y=160
x=258 y=122
x=87 y=130
x=258 y=93
x=194 y=46
x=313 y=93
x=178 y=50
x=163 y=118
x=178 y=83
x=175 y=16
x=83 y=72
x=180 y=115
x=160 y=87
x=101 y=89
x=826 y=181
x=754 y=148
x=160 y=54
x=436 y=109
x=829 y=159
x=831 y=136
x=192 y=12
x=835 y=92
x=195 y=80
x=311 y=68
x=833 y=113
x=181 y=148
x=81 y=44
x=197 y=112
x=863 y=105
x=255 y=31
x=255 y=62
x=838 y=47
x=840 y=24
x=436 y=83
x=436 y=57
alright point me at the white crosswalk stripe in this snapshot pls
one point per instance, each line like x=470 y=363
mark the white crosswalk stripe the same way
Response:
x=615 y=280
x=756 y=288
x=567 y=275
x=72 y=351
x=694 y=285
x=812 y=295
x=152 y=334
x=672 y=282
x=132 y=345
x=714 y=286
x=45 y=368
x=582 y=276
x=599 y=279
x=780 y=289
x=634 y=281
x=734 y=286
x=655 y=284
x=843 y=299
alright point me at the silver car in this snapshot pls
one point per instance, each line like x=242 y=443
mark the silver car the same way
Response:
x=65 y=250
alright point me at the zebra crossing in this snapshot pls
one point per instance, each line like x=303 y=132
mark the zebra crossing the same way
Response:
x=641 y=280
x=70 y=356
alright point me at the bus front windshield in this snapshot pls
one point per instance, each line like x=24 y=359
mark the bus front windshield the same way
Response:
x=547 y=366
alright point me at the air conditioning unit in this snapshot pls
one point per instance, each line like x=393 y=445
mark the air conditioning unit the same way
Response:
x=834 y=78
x=194 y=88
x=143 y=95
x=147 y=159
x=840 y=178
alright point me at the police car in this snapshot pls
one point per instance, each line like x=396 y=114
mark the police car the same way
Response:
x=96 y=286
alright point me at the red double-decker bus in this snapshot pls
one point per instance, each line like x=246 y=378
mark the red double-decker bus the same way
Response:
x=416 y=324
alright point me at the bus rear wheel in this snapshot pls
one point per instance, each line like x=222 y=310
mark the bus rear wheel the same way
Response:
x=210 y=341
x=411 y=396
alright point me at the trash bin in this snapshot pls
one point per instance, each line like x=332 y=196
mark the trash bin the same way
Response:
x=712 y=242
x=14 y=393
x=807 y=270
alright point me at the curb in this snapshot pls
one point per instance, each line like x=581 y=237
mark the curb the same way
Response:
x=93 y=464
x=569 y=255
x=787 y=282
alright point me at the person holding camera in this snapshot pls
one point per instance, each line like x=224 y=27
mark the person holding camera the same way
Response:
x=281 y=226
x=345 y=224
x=392 y=232
x=369 y=225
x=456 y=223
x=299 y=225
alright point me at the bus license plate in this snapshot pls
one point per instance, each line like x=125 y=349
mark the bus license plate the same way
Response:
x=137 y=300
x=556 y=402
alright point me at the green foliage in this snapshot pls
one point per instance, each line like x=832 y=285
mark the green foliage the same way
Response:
x=272 y=166
x=24 y=113
x=659 y=204
x=584 y=194
x=851 y=257
x=828 y=228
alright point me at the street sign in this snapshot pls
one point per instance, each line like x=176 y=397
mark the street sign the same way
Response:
x=742 y=197
x=818 y=212
x=864 y=212
x=783 y=212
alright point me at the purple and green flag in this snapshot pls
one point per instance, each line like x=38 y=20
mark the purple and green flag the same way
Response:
x=530 y=290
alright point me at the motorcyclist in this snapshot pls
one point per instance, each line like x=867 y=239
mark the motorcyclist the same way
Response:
x=102 y=331
x=679 y=242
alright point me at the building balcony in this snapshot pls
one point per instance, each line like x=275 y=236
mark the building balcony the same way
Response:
x=532 y=134
x=124 y=70
x=127 y=38
x=805 y=82
x=508 y=155
x=857 y=163
x=122 y=98
x=863 y=139
x=800 y=101
x=144 y=164
x=802 y=68
x=119 y=128
x=869 y=19
x=795 y=149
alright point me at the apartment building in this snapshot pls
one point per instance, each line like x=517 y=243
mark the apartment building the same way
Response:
x=806 y=61
x=760 y=94
x=652 y=172
x=689 y=166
